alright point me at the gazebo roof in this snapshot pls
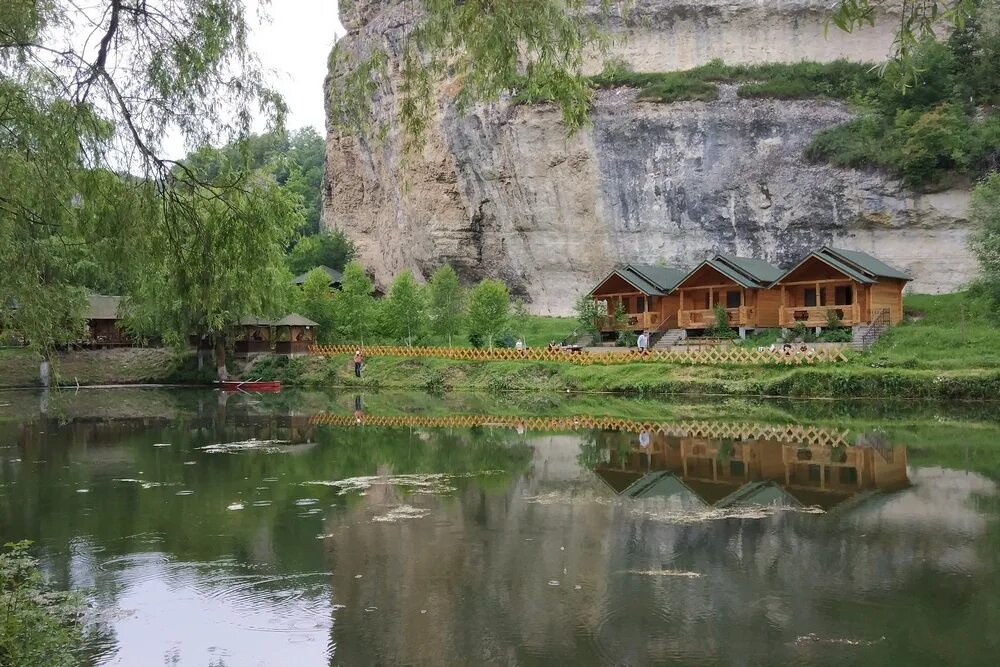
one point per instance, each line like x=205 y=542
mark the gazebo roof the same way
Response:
x=253 y=321
x=101 y=307
x=335 y=276
x=295 y=320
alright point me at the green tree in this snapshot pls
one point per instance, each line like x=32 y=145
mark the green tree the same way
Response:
x=220 y=259
x=917 y=21
x=331 y=249
x=589 y=314
x=316 y=302
x=295 y=159
x=37 y=626
x=69 y=111
x=489 y=310
x=446 y=303
x=520 y=318
x=405 y=309
x=355 y=306
x=986 y=240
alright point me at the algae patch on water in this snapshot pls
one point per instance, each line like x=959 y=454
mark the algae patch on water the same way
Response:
x=434 y=483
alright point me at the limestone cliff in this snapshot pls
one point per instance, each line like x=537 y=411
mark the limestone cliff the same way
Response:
x=503 y=191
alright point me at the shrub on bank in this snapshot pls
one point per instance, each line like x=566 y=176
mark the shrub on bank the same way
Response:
x=38 y=626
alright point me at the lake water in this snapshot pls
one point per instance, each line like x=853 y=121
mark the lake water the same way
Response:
x=312 y=528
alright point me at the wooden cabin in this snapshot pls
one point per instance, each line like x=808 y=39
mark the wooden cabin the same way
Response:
x=294 y=334
x=644 y=291
x=855 y=286
x=738 y=284
x=336 y=277
x=253 y=336
x=102 y=319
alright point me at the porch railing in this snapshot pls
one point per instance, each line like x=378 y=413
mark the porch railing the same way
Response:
x=634 y=321
x=699 y=319
x=817 y=316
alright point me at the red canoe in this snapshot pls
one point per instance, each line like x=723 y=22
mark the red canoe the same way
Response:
x=250 y=385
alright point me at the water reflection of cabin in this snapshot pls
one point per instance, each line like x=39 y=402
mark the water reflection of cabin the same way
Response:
x=294 y=334
x=738 y=284
x=644 y=292
x=815 y=475
x=853 y=285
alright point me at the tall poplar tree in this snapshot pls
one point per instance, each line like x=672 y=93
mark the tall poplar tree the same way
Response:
x=446 y=303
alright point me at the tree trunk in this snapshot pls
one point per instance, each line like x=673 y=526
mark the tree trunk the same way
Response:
x=220 y=357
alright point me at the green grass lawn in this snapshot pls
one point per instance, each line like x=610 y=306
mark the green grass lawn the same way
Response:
x=932 y=338
x=537 y=333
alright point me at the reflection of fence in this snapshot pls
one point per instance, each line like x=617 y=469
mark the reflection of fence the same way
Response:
x=699 y=429
x=719 y=355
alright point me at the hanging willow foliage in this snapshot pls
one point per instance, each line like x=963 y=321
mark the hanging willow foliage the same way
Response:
x=490 y=48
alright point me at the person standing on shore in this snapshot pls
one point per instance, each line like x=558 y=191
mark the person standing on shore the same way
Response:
x=642 y=342
x=359 y=359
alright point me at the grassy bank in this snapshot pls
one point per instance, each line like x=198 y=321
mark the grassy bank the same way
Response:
x=19 y=367
x=844 y=381
x=932 y=355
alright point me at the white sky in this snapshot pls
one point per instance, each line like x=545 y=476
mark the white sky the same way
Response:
x=295 y=45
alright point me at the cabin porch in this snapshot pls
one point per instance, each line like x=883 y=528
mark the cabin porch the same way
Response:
x=810 y=302
x=697 y=306
x=643 y=312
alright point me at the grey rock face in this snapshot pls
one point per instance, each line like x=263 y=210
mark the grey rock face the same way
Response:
x=504 y=192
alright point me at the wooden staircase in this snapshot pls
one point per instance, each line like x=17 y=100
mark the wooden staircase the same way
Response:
x=865 y=335
x=669 y=338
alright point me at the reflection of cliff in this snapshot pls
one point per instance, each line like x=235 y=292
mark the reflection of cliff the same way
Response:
x=493 y=577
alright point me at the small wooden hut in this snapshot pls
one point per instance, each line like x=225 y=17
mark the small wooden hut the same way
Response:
x=253 y=336
x=102 y=322
x=336 y=277
x=294 y=334
x=644 y=291
x=738 y=284
x=856 y=287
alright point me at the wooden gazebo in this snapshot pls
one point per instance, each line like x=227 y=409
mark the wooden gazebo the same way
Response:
x=253 y=336
x=294 y=334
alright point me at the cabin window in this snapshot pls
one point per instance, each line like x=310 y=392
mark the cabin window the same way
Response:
x=849 y=475
x=732 y=299
x=640 y=304
x=843 y=295
x=737 y=468
x=810 y=297
x=814 y=473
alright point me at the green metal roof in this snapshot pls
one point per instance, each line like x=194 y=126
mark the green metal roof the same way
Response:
x=335 y=276
x=647 y=278
x=760 y=271
x=866 y=263
x=664 y=277
x=759 y=493
x=663 y=485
